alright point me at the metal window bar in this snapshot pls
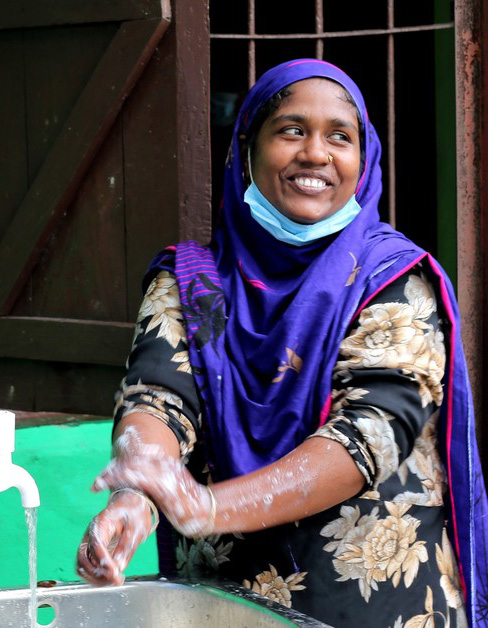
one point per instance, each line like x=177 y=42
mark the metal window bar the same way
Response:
x=319 y=28
x=320 y=35
x=396 y=30
x=391 y=116
x=251 y=26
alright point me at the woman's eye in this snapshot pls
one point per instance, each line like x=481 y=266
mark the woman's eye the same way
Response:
x=292 y=130
x=339 y=135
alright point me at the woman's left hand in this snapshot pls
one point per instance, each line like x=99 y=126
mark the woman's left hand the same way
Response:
x=185 y=502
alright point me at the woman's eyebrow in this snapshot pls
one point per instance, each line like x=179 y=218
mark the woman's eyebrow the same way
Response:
x=340 y=122
x=289 y=117
x=296 y=117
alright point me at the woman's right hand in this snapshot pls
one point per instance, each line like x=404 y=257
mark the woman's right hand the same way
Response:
x=112 y=538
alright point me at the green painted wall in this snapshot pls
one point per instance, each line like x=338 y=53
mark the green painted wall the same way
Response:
x=64 y=461
x=446 y=142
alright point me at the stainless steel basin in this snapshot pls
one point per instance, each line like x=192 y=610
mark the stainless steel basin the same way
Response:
x=150 y=603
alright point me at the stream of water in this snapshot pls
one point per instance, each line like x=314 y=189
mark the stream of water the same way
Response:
x=31 y=520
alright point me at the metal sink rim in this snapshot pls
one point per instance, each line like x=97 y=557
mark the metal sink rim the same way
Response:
x=220 y=588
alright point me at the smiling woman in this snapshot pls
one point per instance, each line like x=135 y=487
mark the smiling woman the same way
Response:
x=307 y=154
x=288 y=404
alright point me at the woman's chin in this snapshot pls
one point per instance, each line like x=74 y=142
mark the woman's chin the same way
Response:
x=307 y=217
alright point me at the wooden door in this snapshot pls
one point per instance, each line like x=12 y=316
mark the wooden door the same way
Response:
x=99 y=170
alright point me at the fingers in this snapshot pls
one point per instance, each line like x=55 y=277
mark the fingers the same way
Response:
x=184 y=501
x=141 y=468
x=103 y=533
x=130 y=539
x=93 y=572
x=154 y=476
x=195 y=519
x=137 y=525
x=94 y=562
x=112 y=538
x=136 y=474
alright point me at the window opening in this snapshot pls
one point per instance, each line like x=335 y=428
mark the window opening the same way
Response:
x=392 y=51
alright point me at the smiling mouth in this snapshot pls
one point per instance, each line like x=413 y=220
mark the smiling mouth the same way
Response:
x=309 y=185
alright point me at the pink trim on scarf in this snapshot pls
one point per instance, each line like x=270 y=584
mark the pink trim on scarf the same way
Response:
x=209 y=272
x=387 y=283
x=324 y=413
x=192 y=255
x=450 y=313
x=328 y=402
x=256 y=283
x=447 y=305
x=361 y=180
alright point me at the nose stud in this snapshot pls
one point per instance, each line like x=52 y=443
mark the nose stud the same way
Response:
x=330 y=158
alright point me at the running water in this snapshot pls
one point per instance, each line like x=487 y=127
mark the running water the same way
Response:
x=31 y=520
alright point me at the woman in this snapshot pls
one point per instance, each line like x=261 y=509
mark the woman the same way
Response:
x=303 y=365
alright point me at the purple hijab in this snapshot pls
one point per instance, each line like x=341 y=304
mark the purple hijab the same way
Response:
x=265 y=320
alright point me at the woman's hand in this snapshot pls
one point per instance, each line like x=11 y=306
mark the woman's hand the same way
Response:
x=185 y=502
x=317 y=475
x=112 y=538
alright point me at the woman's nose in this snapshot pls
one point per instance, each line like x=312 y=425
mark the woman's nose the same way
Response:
x=314 y=150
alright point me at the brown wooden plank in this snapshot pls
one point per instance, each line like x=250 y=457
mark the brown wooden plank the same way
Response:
x=35 y=13
x=58 y=387
x=193 y=132
x=13 y=155
x=59 y=62
x=81 y=274
x=76 y=389
x=17 y=380
x=38 y=419
x=68 y=161
x=65 y=340
x=151 y=191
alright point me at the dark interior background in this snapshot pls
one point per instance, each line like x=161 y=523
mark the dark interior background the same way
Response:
x=364 y=58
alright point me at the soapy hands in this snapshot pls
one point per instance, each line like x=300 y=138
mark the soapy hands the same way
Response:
x=141 y=442
x=315 y=476
x=186 y=503
x=114 y=535
x=112 y=538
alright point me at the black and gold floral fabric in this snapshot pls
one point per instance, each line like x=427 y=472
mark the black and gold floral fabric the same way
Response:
x=380 y=559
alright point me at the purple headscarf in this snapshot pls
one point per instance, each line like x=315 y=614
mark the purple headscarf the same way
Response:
x=265 y=320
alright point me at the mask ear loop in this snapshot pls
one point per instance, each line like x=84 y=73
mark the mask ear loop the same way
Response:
x=249 y=163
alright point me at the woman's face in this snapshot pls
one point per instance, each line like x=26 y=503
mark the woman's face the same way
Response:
x=290 y=164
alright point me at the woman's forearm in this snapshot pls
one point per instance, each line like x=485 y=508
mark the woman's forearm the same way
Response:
x=315 y=476
x=137 y=432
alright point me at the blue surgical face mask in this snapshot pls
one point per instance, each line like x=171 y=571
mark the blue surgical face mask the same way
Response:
x=289 y=231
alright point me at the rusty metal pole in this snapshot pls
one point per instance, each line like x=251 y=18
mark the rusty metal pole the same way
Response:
x=483 y=425
x=192 y=36
x=468 y=147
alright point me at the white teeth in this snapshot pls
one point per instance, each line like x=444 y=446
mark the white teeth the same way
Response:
x=310 y=183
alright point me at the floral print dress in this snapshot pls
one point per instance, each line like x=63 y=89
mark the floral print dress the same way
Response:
x=380 y=559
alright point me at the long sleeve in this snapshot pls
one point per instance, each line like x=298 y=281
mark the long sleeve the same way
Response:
x=388 y=386
x=381 y=550
x=159 y=379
